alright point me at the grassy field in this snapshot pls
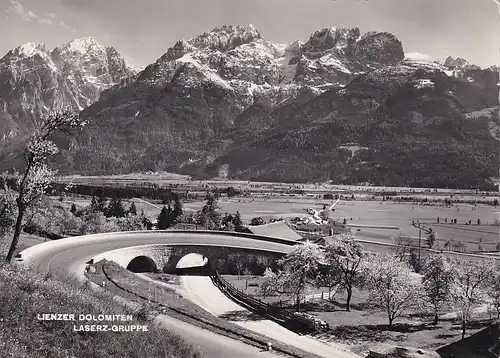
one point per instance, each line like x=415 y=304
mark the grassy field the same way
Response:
x=385 y=213
x=25 y=294
x=165 y=179
x=364 y=326
x=360 y=213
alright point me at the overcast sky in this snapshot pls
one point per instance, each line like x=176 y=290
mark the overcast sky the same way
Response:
x=142 y=30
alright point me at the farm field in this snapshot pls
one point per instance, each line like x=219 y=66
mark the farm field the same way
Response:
x=384 y=213
x=166 y=179
x=360 y=213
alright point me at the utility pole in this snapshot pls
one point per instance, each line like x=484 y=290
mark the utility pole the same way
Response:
x=420 y=227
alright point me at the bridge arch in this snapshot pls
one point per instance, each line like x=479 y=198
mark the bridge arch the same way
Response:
x=142 y=264
x=226 y=260
x=193 y=263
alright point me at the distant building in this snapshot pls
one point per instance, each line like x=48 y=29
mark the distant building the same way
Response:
x=276 y=229
x=322 y=241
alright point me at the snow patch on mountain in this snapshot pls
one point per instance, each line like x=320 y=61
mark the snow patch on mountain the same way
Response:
x=30 y=49
x=37 y=80
x=83 y=46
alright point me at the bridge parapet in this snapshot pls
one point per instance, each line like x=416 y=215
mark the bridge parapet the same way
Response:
x=228 y=260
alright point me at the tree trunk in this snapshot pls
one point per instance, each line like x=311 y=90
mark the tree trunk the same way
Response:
x=298 y=303
x=463 y=329
x=349 y=296
x=436 y=318
x=4 y=209
x=390 y=322
x=17 y=233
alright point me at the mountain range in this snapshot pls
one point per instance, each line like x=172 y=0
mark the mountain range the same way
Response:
x=342 y=106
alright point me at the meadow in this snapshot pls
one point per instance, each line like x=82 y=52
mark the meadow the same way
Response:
x=365 y=326
x=359 y=212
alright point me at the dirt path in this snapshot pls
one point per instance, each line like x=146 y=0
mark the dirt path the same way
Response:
x=201 y=291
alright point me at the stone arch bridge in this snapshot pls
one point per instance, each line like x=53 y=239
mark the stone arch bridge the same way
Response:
x=164 y=258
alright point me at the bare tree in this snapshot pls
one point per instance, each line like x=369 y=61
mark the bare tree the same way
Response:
x=240 y=265
x=299 y=269
x=493 y=291
x=438 y=276
x=7 y=207
x=345 y=256
x=36 y=176
x=469 y=287
x=392 y=286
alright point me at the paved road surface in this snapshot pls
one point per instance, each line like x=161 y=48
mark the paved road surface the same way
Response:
x=200 y=290
x=211 y=344
x=65 y=259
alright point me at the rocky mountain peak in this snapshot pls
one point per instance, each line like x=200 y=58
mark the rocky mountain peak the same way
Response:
x=83 y=48
x=456 y=63
x=378 y=48
x=295 y=47
x=29 y=49
x=330 y=38
x=226 y=38
x=229 y=98
x=81 y=45
x=34 y=80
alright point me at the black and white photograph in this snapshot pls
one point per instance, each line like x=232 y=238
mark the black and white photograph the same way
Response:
x=250 y=178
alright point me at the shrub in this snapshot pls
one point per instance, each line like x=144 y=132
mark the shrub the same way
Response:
x=24 y=295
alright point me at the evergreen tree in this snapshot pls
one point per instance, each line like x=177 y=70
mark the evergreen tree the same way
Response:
x=94 y=205
x=109 y=211
x=115 y=208
x=101 y=203
x=119 y=209
x=73 y=209
x=164 y=219
x=177 y=212
x=237 y=222
x=212 y=212
x=132 y=210
x=228 y=218
x=146 y=222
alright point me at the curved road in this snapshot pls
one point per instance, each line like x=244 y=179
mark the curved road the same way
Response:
x=66 y=258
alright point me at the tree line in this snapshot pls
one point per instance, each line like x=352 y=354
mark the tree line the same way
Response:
x=393 y=287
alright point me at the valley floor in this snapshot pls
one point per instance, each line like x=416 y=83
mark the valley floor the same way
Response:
x=364 y=328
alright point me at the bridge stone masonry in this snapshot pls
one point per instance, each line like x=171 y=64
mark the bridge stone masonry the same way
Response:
x=144 y=258
x=226 y=260
x=164 y=258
